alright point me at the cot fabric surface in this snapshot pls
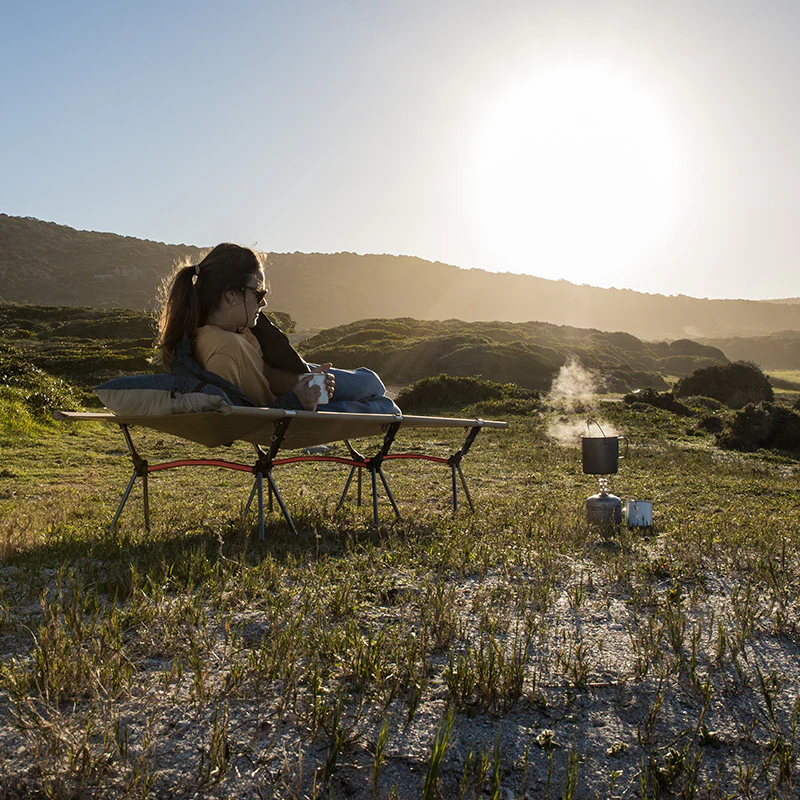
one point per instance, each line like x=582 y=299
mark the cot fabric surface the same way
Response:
x=282 y=429
x=256 y=425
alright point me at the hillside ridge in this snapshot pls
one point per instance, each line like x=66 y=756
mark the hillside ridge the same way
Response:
x=52 y=264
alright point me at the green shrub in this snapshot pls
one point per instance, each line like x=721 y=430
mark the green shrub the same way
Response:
x=766 y=425
x=663 y=400
x=449 y=393
x=735 y=384
x=711 y=423
x=29 y=394
x=283 y=320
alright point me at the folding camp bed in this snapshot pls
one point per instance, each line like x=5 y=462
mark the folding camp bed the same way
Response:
x=271 y=430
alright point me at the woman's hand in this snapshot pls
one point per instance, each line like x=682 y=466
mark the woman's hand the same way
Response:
x=309 y=396
x=330 y=381
x=306 y=394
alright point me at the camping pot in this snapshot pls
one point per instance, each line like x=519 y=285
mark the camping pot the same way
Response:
x=600 y=454
x=639 y=513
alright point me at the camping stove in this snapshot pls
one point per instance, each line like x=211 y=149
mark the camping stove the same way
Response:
x=604 y=508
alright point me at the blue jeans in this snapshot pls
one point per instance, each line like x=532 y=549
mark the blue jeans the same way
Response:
x=359 y=391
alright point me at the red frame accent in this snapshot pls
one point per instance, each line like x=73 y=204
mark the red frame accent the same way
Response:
x=213 y=462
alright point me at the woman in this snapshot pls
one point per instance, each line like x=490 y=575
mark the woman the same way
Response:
x=211 y=327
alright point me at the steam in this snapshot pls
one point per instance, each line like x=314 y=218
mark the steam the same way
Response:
x=573 y=389
x=574 y=392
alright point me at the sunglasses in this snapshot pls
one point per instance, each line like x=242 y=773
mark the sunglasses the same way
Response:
x=261 y=294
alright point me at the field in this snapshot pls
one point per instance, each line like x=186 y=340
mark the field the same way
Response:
x=512 y=653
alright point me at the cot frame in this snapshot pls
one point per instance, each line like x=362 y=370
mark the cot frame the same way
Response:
x=312 y=431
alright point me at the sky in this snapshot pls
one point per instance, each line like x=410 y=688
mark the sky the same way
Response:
x=642 y=144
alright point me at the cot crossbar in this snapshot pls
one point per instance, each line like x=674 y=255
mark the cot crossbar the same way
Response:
x=315 y=428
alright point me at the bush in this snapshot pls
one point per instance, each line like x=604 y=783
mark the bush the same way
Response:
x=735 y=384
x=449 y=393
x=29 y=395
x=766 y=425
x=664 y=400
x=711 y=423
x=282 y=320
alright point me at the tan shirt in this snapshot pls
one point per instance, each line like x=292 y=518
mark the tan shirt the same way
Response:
x=237 y=358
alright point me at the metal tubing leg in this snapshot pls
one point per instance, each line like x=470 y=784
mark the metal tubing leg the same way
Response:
x=455 y=487
x=286 y=515
x=374 y=496
x=358 y=501
x=146 y=502
x=260 y=492
x=389 y=493
x=269 y=497
x=126 y=494
x=250 y=499
x=466 y=489
x=347 y=487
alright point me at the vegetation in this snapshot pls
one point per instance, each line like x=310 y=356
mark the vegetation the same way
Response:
x=664 y=400
x=735 y=384
x=514 y=652
x=529 y=354
x=443 y=393
x=765 y=425
x=42 y=262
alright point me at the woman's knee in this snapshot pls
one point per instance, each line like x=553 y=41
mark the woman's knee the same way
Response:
x=357 y=384
x=371 y=383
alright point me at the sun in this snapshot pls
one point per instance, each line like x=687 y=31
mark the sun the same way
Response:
x=576 y=175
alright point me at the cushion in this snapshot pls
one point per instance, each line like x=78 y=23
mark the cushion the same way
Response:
x=159 y=395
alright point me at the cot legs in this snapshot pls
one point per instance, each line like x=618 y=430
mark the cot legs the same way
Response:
x=375 y=474
x=266 y=460
x=264 y=467
x=456 y=468
x=139 y=471
x=126 y=494
x=374 y=465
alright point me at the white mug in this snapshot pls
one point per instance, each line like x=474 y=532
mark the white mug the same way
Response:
x=639 y=513
x=318 y=379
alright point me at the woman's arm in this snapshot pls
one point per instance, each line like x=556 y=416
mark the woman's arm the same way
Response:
x=280 y=380
x=252 y=384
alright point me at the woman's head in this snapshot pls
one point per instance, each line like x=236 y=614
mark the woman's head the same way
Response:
x=228 y=275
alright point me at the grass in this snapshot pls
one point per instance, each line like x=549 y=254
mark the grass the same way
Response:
x=516 y=652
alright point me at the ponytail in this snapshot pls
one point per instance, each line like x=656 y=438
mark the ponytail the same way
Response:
x=180 y=313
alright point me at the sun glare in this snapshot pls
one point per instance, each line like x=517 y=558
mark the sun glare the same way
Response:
x=575 y=175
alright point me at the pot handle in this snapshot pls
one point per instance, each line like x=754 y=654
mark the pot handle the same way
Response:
x=624 y=439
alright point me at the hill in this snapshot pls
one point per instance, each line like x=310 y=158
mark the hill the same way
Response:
x=42 y=262
x=779 y=350
x=529 y=354
x=86 y=346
